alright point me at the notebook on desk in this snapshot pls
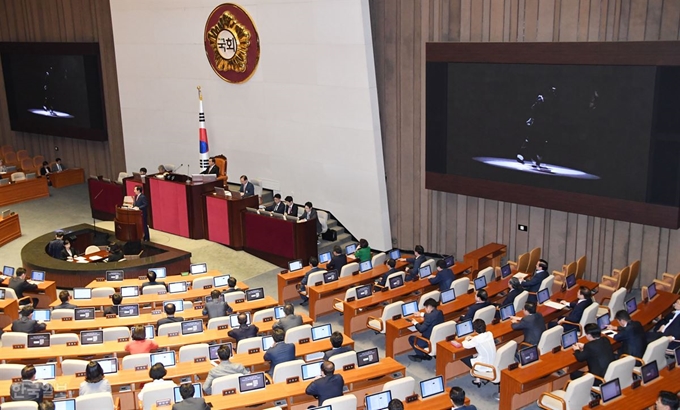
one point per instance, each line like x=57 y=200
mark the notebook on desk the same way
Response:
x=520 y=275
x=543 y=297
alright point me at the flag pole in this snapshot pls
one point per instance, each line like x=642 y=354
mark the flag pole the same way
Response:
x=202 y=134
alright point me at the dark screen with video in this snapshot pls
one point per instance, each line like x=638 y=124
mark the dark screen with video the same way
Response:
x=54 y=94
x=587 y=129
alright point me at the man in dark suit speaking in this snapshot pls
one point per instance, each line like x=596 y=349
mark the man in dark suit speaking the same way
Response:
x=212 y=168
x=140 y=202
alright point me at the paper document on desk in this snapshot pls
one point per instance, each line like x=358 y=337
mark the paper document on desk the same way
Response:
x=554 y=305
x=610 y=333
x=79 y=258
x=95 y=258
x=521 y=275
x=412 y=328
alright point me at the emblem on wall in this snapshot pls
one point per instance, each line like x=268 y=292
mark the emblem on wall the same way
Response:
x=231 y=42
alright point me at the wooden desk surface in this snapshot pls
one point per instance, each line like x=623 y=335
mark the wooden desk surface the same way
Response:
x=168 y=279
x=23 y=191
x=488 y=255
x=90 y=257
x=46 y=293
x=10 y=229
x=645 y=396
x=69 y=176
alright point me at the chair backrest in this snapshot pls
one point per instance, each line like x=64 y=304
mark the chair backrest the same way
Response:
x=621 y=369
x=534 y=256
x=487 y=314
x=20 y=405
x=99 y=401
x=18 y=176
x=323 y=219
x=199 y=283
x=577 y=394
x=622 y=279
x=5 y=149
x=166 y=328
x=221 y=163
x=112 y=334
x=133 y=360
x=37 y=161
x=121 y=176
x=505 y=355
x=400 y=388
x=216 y=322
x=10 y=294
x=520 y=300
x=349 y=269
x=9 y=371
x=103 y=292
x=223 y=383
x=92 y=249
x=550 y=339
x=547 y=283
x=351 y=293
x=394 y=275
x=523 y=262
x=63 y=338
x=156 y=393
x=153 y=289
x=250 y=343
x=72 y=366
x=460 y=286
x=13 y=338
x=435 y=294
x=259 y=315
x=656 y=350
x=315 y=277
x=379 y=259
x=675 y=285
x=58 y=314
x=589 y=316
x=431 y=263
x=634 y=272
x=10 y=158
x=390 y=310
x=488 y=273
x=343 y=359
x=581 y=267
x=189 y=352
x=345 y=402
x=21 y=154
x=439 y=333
x=569 y=269
x=26 y=164
x=617 y=301
x=285 y=370
x=298 y=332
x=232 y=297
x=257 y=186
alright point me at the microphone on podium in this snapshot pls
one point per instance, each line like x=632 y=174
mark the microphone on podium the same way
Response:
x=178 y=168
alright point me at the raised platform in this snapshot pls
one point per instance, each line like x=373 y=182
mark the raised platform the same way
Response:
x=71 y=274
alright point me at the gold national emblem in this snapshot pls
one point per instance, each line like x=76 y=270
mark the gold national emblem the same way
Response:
x=231 y=43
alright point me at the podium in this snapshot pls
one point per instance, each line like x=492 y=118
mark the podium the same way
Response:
x=129 y=224
x=223 y=214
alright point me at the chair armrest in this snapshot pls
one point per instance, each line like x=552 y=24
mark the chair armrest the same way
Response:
x=368 y=319
x=558 y=273
x=575 y=324
x=268 y=377
x=603 y=299
x=379 y=286
x=636 y=358
x=481 y=376
x=607 y=287
x=616 y=272
x=336 y=300
x=513 y=264
x=610 y=278
x=525 y=344
x=116 y=403
x=554 y=397
x=28 y=298
x=417 y=347
x=668 y=276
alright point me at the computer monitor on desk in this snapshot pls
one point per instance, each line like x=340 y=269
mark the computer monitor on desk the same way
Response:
x=295 y=265
x=528 y=355
x=610 y=390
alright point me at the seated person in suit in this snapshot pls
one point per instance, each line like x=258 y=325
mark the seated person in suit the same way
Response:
x=336 y=341
x=481 y=301
x=56 y=245
x=26 y=324
x=139 y=342
x=28 y=389
x=216 y=307
x=231 y=285
x=225 y=368
x=597 y=353
x=585 y=299
x=382 y=280
x=280 y=352
x=58 y=166
x=170 y=317
x=289 y=321
x=630 y=334
x=212 y=168
x=68 y=253
x=64 y=297
x=444 y=277
x=291 y=208
x=278 y=207
x=189 y=402
x=309 y=214
x=515 y=290
x=314 y=263
x=20 y=285
x=363 y=252
x=669 y=327
x=532 y=324
x=534 y=283
x=457 y=396
x=151 y=276
x=247 y=188
x=412 y=271
x=45 y=168
x=157 y=372
x=244 y=330
x=338 y=259
x=94 y=382
x=328 y=386
x=667 y=401
x=116 y=299
x=115 y=253
x=431 y=318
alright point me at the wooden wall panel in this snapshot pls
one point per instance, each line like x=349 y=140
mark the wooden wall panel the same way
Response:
x=67 y=21
x=449 y=223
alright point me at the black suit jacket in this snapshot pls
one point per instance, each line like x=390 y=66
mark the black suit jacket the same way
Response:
x=166 y=320
x=26 y=325
x=382 y=280
x=633 y=339
x=281 y=352
x=249 y=189
x=330 y=353
x=20 y=286
x=312 y=215
x=337 y=262
x=532 y=326
x=598 y=354
x=141 y=203
x=192 y=403
x=430 y=320
x=673 y=329
x=473 y=309
x=326 y=387
x=243 y=332
x=510 y=297
x=413 y=272
x=276 y=208
x=65 y=255
x=532 y=285
x=292 y=210
x=215 y=170
x=55 y=247
x=111 y=310
x=577 y=310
